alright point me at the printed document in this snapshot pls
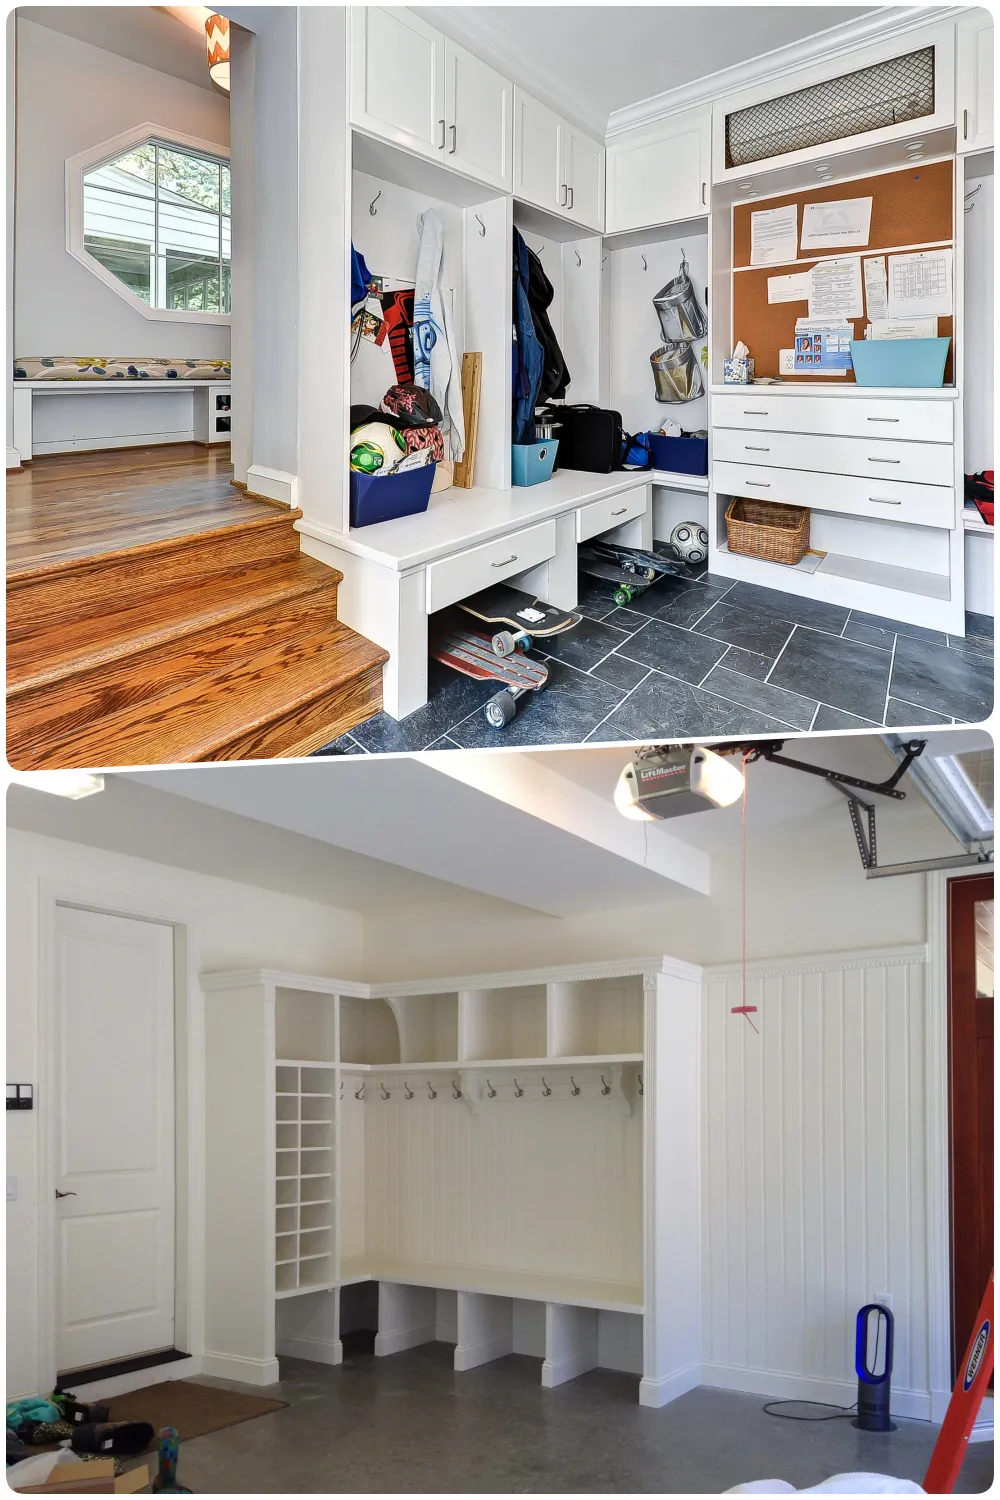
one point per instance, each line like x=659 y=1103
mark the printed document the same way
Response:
x=876 y=291
x=828 y=226
x=835 y=289
x=774 y=236
x=920 y=284
x=789 y=288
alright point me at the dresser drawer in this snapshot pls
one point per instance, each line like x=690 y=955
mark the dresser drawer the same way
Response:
x=847 y=416
x=885 y=500
x=464 y=573
x=927 y=463
x=605 y=515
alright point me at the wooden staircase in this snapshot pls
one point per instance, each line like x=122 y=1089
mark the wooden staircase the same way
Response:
x=221 y=643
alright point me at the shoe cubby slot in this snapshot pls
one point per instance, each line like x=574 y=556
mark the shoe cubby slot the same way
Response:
x=595 y=1017
x=317 y=1271
x=428 y=1027
x=315 y=1189
x=316 y=1135
x=286 y=1220
x=286 y=1192
x=286 y=1249
x=317 y=1083
x=287 y=1136
x=286 y=1278
x=286 y=1108
x=305 y=1025
x=286 y=1164
x=315 y=1216
x=316 y=1109
x=368 y=1031
x=503 y=1023
x=286 y=1080
x=313 y=1242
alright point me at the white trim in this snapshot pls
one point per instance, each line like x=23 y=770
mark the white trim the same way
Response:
x=104 y=151
x=404 y=1338
x=13 y=459
x=120 y=1385
x=189 y=1290
x=780 y=1387
x=273 y=484
x=668 y=1387
x=914 y=953
x=239 y=1367
x=318 y=1351
x=825 y=46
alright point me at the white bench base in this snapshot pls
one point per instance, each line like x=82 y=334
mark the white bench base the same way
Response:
x=204 y=418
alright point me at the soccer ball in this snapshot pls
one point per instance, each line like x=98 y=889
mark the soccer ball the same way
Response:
x=376 y=448
x=689 y=540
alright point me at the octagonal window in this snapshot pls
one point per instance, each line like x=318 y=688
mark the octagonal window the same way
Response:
x=157 y=218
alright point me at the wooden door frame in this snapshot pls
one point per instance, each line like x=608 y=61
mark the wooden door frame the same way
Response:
x=189 y=1128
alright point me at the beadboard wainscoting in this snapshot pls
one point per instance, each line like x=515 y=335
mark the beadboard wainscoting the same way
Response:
x=814 y=1173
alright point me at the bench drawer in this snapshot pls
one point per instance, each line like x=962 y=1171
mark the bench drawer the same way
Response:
x=884 y=500
x=464 y=573
x=605 y=515
x=845 y=416
x=928 y=463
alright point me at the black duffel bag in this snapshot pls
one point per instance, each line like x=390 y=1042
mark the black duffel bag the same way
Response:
x=590 y=438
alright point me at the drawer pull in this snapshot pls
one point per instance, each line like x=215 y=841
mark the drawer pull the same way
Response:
x=877 y=500
x=755 y=448
x=504 y=561
x=755 y=413
x=620 y=512
x=884 y=460
x=882 y=419
x=759 y=484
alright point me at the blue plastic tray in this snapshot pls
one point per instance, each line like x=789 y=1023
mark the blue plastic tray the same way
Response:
x=532 y=463
x=385 y=498
x=899 y=362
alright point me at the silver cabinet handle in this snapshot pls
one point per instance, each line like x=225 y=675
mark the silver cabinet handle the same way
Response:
x=965 y=124
x=885 y=460
x=454 y=140
x=442 y=123
x=747 y=413
x=758 y=484
x=754 y=448
x=703 y=186
x=572 y=197
x=620 y=512
x=504 y=561
x=877 y=500
x=882 y=419
x=64 y=1195
x=563 y=194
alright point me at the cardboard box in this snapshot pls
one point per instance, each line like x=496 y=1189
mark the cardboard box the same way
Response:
x=97 y=1478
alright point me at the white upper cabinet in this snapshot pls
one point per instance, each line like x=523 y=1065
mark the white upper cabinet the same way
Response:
x=659 y=174
x=975 y=81
x=479 y=110
x=398 y=78
x=556 y=166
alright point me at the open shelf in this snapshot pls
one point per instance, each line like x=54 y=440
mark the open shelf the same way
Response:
x=304 y=1025
x=428 y=1027
x=568 y=1290
x=503 y=1023
x=368 y=1031
x=598 y=1018
x=835 y=565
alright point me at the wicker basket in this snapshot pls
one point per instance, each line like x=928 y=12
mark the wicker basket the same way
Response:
x=776 y=533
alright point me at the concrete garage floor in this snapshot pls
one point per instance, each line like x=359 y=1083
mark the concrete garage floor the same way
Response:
x=409 y=1423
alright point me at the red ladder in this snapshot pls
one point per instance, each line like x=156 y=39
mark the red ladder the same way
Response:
x=973 y=1379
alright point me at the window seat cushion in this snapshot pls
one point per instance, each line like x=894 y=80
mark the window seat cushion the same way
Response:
x=68 y=367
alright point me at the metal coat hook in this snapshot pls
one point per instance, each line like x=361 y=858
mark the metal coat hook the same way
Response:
x=518 y=1090
x=385 y=1091
x=645 y=267
x=970 y=206
x=490 y=1089
x=455 y=1089
x=574 y=1086
x=604 y=260
x=579 y=257
x=605 y=1087
x=407 y=1091
x=371 y=207
x=341 y=1088
x=431 y=1090
x=640 y=1084
x=482 y=227
x=360 y=1093
x=546 y=1091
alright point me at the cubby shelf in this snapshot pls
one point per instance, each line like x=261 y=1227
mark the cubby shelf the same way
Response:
x=569 y=1291
x=477 y=1065
x=304 y=1251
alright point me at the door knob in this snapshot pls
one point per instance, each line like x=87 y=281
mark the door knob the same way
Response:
x=64 y=1195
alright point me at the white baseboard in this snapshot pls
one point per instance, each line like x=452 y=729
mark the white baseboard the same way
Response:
x=13 y=458
x=238 y=1367
x=469 y=1356
x=120 y=1385
x=404 y=1338
x=111 y=441
x=318 y=1351
x=273 y=484
x=666 y=1388
x=775 y=1386
x=558 y=1371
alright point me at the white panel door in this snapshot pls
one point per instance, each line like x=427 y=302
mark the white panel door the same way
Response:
x=975 y=81
x=397 y=78
x=479 y=107
x=537 y=154
x=583 y=171
x=114 y=1041
x=658 y=174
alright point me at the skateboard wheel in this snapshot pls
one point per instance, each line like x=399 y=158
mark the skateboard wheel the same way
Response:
x=623 y=596
x=500 y=710
x=503 y=643
x=524 y=643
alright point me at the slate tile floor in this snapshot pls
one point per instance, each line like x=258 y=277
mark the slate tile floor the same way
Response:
x=702 y=655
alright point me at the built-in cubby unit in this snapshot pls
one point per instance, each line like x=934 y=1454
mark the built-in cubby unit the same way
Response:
x=496 y=1152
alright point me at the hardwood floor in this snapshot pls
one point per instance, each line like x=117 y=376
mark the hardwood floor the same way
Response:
x=155 y=614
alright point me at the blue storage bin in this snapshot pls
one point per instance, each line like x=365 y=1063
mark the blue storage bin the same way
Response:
x=377 y=498
x=681 y=455
x=890 y=362
x=532 y=463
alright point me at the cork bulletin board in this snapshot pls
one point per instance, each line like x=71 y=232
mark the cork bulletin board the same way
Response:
x=910 y=208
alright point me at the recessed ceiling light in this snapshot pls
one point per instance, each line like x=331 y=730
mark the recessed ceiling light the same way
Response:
x=73 y=784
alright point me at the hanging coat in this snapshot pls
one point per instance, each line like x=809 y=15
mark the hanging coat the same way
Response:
x=436 y=365
x=555 y=375
x=529 y=358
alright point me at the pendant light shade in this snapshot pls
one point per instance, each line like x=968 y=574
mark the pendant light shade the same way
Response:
x=217 y=31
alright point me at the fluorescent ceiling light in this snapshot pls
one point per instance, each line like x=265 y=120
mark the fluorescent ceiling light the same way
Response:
x=73 y=784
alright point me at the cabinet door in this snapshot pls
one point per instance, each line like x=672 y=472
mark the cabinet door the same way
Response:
x=975 y=82
x=397 y=78
x=479 y=109
x=583 y=173
x=537 y=153
x=659 y=174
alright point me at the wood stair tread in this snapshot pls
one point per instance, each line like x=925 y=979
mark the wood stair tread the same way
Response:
x=201 y=695
x=55 y=652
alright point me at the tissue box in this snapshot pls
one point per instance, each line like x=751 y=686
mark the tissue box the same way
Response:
x=738 y=371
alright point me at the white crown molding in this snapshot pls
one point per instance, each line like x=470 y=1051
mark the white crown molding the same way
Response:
x=869 y=958
x=829 y=44
x=474 y=32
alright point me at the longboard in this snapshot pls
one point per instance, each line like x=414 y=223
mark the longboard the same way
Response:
x=633 y=560
x=522 y=616
x=625 y=586
x=472 y=654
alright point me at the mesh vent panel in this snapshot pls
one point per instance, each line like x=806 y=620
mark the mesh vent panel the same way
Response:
x=888 y=93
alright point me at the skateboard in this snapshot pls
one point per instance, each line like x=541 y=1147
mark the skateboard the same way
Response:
x=626 y=586
x=472 y=654
x=633 y=560
x=521 y=615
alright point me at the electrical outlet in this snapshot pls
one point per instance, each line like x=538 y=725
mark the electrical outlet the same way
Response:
x=883 y=1299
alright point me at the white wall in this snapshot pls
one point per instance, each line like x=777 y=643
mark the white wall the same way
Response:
x=71 y=96
x=814 y=1176
x=980 y=420
x=236 y=925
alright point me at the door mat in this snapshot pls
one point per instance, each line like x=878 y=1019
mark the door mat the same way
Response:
x=192 y=1408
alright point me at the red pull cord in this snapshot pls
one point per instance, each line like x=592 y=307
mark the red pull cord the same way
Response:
x=745 y=1009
